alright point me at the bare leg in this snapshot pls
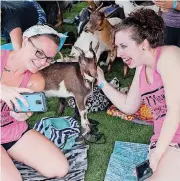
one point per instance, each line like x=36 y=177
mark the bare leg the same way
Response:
x=169 y=166
x=8 y=170
x=36 y=151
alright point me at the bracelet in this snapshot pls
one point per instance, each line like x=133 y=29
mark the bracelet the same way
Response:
x=175 y=2
x=101 y=85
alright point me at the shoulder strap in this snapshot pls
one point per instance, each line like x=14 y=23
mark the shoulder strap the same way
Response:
x=26 y=79
x=158 y=55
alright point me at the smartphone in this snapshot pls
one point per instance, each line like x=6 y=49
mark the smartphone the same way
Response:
x=36 y=102
x=143 y=171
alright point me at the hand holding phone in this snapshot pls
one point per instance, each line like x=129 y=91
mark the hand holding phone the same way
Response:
x=11 y=94
x=143 y=170
x=21 y=116
x=36 y=103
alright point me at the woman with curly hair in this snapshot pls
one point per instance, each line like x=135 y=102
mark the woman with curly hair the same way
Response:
x=139 y=40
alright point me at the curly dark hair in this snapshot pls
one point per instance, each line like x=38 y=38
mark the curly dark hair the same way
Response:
x=144 y=24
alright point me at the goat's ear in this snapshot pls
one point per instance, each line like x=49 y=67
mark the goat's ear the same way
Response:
x=82 y=61
x=91 y=49
x=90 y=46
x=99 y=7
x=80 y=51
x=97 y=47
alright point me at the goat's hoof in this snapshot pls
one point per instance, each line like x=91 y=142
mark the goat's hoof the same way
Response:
x=86 y=129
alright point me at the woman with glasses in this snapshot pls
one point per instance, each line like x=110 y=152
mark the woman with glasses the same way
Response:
x=19 y=73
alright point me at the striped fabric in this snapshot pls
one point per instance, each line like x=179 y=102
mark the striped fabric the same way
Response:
x=60 y=130
x=77 y=158
x=76 y=155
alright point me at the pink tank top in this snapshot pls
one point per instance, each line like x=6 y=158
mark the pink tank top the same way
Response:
x=11 y=129
x=154 y=97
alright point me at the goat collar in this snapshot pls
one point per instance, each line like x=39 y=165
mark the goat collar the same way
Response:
x=88 y=78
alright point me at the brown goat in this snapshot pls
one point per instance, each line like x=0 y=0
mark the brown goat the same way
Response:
x=99 y=25
x=72 y=79
x=92 y=4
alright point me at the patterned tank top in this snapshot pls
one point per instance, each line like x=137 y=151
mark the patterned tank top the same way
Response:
x=11 y=129
x=154 y=97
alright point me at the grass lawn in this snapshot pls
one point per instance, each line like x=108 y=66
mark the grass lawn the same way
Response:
x=114 y=128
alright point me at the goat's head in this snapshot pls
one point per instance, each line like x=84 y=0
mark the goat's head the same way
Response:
x=88 y=64
x=96 y=22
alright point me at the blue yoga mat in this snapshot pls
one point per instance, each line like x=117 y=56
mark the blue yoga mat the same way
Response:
x=124 y=159
x=8 y=46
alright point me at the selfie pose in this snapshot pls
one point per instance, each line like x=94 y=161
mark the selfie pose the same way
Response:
x=19 y=73
x=139 y=40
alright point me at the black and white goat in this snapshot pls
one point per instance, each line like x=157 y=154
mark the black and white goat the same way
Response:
x=131 y=5
x=72 y=79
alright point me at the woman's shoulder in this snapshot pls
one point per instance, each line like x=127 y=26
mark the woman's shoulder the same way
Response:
x=170 y=50
x=170 y=56
x=36 y=82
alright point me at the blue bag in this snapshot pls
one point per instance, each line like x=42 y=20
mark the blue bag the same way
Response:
x=62 y=131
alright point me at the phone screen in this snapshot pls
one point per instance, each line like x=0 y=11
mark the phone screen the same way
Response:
x=143 y=171
x=36 y=102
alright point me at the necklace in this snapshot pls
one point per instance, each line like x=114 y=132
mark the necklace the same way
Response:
x=7 y=70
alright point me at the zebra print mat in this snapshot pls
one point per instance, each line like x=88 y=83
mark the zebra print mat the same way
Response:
x=77 y=158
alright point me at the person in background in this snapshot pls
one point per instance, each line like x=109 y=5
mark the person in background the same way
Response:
x=139 y=40
x=171 y=16
x=17 y=16
x=19 y=73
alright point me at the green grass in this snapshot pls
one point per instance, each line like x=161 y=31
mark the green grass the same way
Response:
x=76 y=8
x=114 y=128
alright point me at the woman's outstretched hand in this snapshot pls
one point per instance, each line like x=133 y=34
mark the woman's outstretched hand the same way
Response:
x=10 y=95
x=154 y=159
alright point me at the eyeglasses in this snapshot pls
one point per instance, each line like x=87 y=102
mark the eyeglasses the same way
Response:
x=41 y=55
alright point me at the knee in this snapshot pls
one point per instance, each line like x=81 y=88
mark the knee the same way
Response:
x=57 y=170
x=64 y=168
